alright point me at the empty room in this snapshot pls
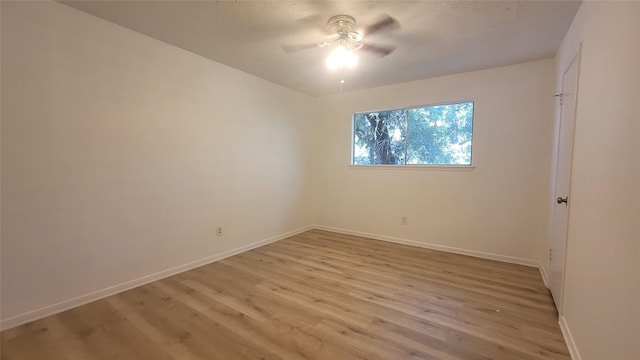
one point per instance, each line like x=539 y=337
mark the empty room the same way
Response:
x=185 y=180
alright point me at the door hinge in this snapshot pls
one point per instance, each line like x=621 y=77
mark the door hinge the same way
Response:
x=560 y=97
x=549 y=254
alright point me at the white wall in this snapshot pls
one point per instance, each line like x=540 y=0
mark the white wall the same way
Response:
x=121 y=154
x=602 y=281
x=500 y=207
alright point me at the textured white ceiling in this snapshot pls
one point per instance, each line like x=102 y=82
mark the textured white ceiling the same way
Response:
x=434 y=37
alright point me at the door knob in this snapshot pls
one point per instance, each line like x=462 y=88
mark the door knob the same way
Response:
x=561 y=200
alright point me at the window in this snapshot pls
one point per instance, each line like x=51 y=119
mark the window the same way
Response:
x=429 y=135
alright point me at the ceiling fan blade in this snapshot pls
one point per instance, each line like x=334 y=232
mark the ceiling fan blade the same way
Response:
x=294 y=48
x=385 y=22
x=380 y=50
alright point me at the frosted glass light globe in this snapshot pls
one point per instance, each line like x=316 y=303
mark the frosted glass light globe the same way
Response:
x=341 y=57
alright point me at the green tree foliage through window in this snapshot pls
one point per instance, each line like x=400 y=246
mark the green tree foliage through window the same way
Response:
x=430 y=135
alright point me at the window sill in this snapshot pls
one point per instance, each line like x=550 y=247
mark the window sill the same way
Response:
x=415 y=167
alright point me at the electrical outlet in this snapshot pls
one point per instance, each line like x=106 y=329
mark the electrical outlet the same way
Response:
x=219 y=231
x=404 y=220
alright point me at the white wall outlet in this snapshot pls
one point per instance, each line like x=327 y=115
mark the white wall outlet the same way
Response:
x=219 y=231
x=404 y=220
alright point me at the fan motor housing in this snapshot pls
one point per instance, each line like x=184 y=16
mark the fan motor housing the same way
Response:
x=344 y=26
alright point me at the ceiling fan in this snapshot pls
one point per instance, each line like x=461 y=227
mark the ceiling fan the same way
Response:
x=344 y=37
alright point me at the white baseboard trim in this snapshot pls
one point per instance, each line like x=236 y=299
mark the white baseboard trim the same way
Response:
x=112 y=290
x=544 y=275
x=480 y=254
x=573 y=350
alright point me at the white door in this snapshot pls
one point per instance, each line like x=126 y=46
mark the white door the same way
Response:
x=562 y=200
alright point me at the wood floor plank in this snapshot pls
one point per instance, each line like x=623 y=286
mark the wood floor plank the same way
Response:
x=316 y=295
x=376 y=284
x=289 y=286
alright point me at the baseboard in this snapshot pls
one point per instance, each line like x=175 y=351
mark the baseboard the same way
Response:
x=100 y=294
x=480 y=254
x=544 y=275
x=573 y=350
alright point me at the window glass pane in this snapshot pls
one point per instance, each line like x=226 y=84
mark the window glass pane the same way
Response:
x=440 y=134
x=379 y=138
x=429 y=135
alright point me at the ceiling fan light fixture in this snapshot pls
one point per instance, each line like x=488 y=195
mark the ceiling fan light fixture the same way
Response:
x=340 y=57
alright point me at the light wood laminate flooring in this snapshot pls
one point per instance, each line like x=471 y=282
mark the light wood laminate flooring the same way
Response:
x=316 y=295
